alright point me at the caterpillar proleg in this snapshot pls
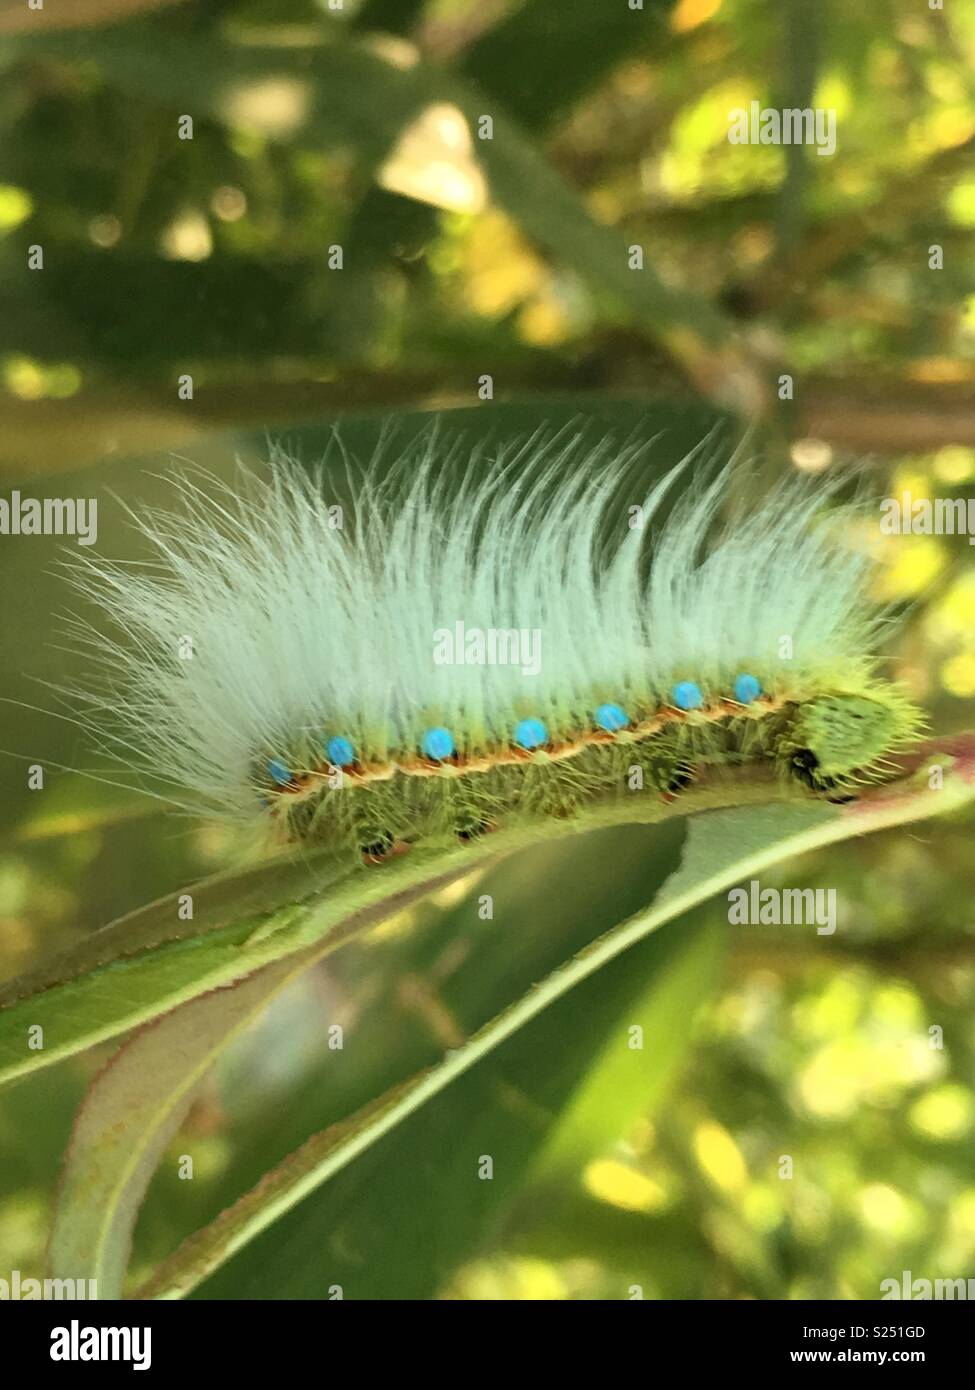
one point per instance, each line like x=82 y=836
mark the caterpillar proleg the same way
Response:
x=473 y=641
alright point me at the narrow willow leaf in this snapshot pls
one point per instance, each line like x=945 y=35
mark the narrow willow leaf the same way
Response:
x=722 y=849
x=507 y=1107
x=150 y=961
x=114 y=1151
x=625 y=1082
x=130 y=1113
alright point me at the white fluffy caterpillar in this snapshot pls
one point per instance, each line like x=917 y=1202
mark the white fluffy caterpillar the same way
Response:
x=317 y=693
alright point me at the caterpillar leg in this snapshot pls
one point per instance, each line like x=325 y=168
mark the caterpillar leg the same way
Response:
x=804 y=766
x=471 y=831
x=682 y=777
x=376 y=822
x=378 y=850
x=667 y=762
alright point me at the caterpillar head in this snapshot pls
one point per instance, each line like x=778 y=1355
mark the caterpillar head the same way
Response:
x=838 y=738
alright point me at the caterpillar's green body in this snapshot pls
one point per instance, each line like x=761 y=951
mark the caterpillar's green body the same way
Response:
x=315 y=697
x=829 y=744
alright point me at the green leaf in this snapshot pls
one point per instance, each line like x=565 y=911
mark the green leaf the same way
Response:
x=151 y=960
x=722 y=849
x=425 y=1170
x=118 y=1148
x=623 y=1082
x=131 y=1112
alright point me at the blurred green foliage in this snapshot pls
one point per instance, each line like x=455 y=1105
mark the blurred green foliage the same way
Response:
x=317 y=126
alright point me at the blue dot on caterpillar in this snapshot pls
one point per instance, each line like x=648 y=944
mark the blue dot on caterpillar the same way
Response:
x=612 y=718
x=438 y=744
x=687 y=695
x=279 y=772
x=530 y=733
x=340 y=751
x=747 y=689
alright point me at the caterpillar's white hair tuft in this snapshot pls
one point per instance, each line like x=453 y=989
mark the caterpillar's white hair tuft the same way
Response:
x=302 y=630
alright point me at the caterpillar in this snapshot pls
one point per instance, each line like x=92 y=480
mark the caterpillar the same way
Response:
x=476 y=638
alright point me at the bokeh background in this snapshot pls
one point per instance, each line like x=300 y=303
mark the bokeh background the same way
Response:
x=319 y=125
